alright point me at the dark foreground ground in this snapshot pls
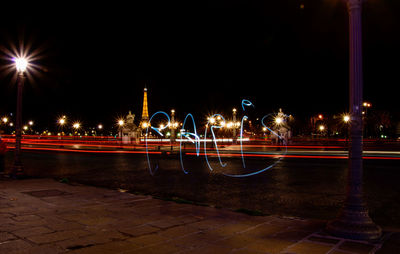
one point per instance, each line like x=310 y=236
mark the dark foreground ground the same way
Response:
x=307 y=188
x=48 y=217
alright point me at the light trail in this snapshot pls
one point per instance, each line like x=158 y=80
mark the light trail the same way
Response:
x=210 y=154
x=85 y=151
x=299 y=156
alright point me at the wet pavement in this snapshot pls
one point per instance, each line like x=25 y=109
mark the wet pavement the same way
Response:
x=46 y=216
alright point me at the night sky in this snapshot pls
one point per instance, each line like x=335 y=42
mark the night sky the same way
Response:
x=199 y=57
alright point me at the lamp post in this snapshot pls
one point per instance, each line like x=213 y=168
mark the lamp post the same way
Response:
x=346 y=120
x=172 y=126
x=76 y=126
x=21 y=64
x=234 y=127
x=353 y=221
x=121 y=123
x=61 y=122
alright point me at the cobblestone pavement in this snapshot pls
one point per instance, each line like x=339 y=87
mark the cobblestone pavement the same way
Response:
x=45 y=216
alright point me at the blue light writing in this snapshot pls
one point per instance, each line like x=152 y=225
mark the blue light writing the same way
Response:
x=248 y=104
x=194 y=138
x=188 y=135
x=270 y=166
x=158 y=131
x=214 y=140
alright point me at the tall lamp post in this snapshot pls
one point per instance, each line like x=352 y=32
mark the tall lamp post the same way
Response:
x=234 y=125
x=21 y=64
x=172 y=127
x=353 y=221
x=121 y=123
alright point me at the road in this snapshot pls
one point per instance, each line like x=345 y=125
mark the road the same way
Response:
x=307 y=186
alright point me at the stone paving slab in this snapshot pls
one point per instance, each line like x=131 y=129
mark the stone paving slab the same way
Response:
x=45 y=216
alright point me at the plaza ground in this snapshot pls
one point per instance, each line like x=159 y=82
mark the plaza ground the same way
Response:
x=46 y=216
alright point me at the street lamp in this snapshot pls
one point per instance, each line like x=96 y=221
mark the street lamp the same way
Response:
x=61 y=121
x=5 y=120
x=321 y=129
x=121 y=123
x=76 y=126
x=173 y=126
x=21 y=64
x=234 y=128
x=353 y=221
x=278 y=120
x=346 y=120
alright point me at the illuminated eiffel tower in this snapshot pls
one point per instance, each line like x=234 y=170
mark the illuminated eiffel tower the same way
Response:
x=145 y=112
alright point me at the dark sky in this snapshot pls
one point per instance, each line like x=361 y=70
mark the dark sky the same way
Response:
x=200 y=57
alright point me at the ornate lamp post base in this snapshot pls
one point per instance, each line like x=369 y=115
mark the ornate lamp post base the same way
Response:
x=354 y=223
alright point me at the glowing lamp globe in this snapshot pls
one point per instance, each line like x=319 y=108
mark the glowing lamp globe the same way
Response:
x=21 y=64
x=278 y=120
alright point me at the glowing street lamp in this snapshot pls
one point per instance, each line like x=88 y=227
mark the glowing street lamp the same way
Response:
x=21 y=64
x=61 y=121
x=30 y=123
x=76 y=126
x=321 y=128
x=100 y=126
x=367 y=104
x=121 y=123
x=278 y=120
x=346 y=118
x=5 y=120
